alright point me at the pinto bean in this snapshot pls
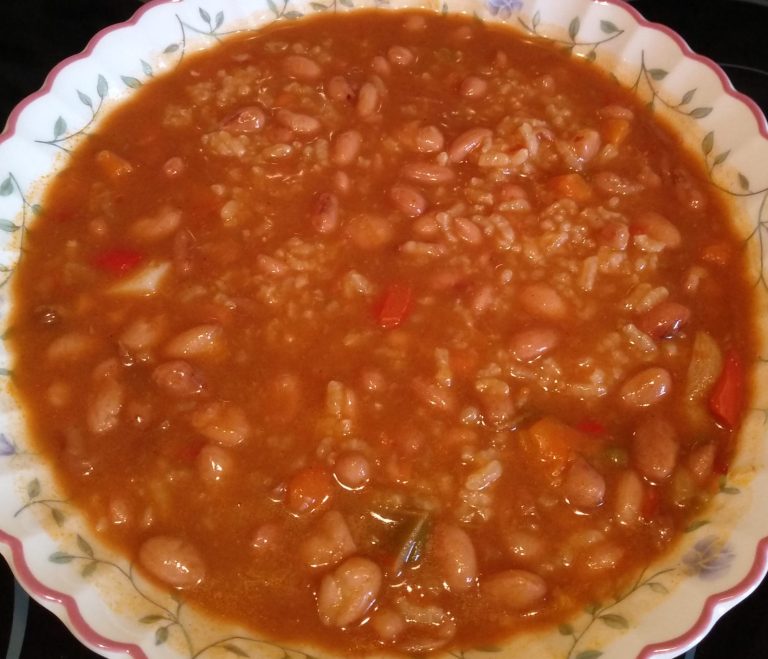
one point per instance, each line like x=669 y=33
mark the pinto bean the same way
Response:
x=104 y=405
x=463 y=33
x=348 y=592
x=338 y=89
x=278 y=151
x=467 y=142
x=301 y=124
x=473 y=87
x=381 y=86
x=584 y=486
x=223 y=423
x=308 y=490
x=112 y=164
x=455 y=556
x=514 y=590
x=543 y=301
x=415 y=23
x=701 y=461
x=119 y=512
x=467 y=230
x=615 y=235
x=329 y=541
x=198 y=341
x=172 y=560
x=401 y=56
x=269 y=265
x=586 y=144
x=617 y=112
x=628 y=498
x=381 y=66
x=268 y=536
x=178 y=378
x=284 y=397
x=352 y=470
x=408 y=200
x=388 y=624
x=657 y=228
x=182 y=252
x=664 y=320
x=525 y=547
x=654 y=448
x=302 y=68
x=245 y=120
x=174 y=167
x=345 y=147
x=434 y=395
x=647 y=387
x=428 y=139
x=70 y=346
x=530 y=344
x=495 y=400
x=688 y=191
x=342 y=183
x=426 y=227
x=370 y=232
x=613 y=184
x=427 y=173
x=214 y=463
x=603 y=556
x=59 y=394
x=325 y=213
x=367 y=100
x=142 y=334
x=158 y=226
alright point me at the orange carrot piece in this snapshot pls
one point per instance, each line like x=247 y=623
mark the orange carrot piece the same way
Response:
x=308 y=489
x=717 y=254
x=113 y=165
x=573 y=186
x=614 y=130
x=554 y=440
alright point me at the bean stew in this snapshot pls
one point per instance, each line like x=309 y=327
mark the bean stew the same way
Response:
x=384 y=330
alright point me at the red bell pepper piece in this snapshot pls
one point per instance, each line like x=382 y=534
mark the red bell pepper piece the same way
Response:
x=394 y=305
x=591 y=427
x=651 y=502
x=118 y=261
x=727 y=397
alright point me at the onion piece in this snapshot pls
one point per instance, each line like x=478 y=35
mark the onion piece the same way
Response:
x=703 y=370
x=144 y=282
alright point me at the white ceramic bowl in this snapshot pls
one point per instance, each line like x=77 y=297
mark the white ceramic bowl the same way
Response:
x=675 y=602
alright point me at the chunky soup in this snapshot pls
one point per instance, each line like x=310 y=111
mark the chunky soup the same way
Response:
x=384 y=330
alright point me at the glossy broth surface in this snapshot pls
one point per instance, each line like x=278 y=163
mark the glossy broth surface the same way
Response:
x=384 y=329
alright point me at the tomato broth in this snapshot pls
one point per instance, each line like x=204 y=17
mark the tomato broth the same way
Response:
x=384 y=330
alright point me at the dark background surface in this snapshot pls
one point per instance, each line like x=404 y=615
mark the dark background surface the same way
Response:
x=38 y=34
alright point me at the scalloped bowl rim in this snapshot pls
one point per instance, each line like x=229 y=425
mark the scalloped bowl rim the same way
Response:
x=12 y=548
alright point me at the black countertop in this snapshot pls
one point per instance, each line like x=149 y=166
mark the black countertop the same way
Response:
x=40 y=33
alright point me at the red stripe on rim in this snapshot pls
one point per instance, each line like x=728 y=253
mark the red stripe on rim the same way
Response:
x=727 y=598
x=10 y=125
x=728 y=88
x=40 y=592
x=717 y=604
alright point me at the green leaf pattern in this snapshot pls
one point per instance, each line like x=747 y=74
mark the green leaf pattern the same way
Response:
x=33 y=489
x=8 y=226
x=6 y=187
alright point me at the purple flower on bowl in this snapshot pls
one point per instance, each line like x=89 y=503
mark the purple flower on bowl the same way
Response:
x=6 y=446
x=504 y=8
x=708 y=557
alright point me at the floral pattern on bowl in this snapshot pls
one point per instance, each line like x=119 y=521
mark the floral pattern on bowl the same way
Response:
x=670 y=606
